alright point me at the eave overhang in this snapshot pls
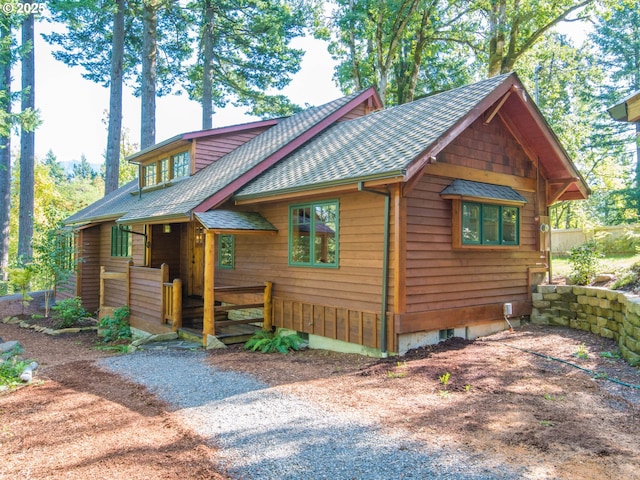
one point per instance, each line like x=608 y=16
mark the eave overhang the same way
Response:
x=627 y=110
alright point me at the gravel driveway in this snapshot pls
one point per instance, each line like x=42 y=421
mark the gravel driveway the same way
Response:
x=265 y=434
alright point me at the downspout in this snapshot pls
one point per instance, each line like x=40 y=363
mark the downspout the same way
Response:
x=385 y=266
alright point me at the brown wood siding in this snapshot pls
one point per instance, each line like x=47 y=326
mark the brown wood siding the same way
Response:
x=439 y=277
x=360 y=111
x=490 y=148
x=115 y=290
x=89 y=268
x=211 y=149
x=329 y=296
x=146 y=295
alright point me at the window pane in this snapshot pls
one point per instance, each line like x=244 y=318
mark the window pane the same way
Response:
x=300 y=235
x=509 y=225
x=227 y=251
x=164 y=170
x=181 y=165
x=325 y=234
x=470 y=223
x=491 y=224
x=150 y=174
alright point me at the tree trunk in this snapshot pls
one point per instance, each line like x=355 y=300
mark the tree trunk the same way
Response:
x=112 y=160
x=148 y=87
x=5 y=145
x=27 y=144
x=207 y=60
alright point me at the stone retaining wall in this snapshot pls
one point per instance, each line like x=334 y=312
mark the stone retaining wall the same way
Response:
x=607 y=313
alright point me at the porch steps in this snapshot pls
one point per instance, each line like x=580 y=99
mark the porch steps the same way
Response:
x=229 y=334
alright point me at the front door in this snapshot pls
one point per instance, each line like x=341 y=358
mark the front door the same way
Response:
x=196 y=240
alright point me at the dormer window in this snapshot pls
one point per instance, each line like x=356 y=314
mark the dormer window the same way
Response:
x=150 y=174
x=181 y=165
x=166 y=169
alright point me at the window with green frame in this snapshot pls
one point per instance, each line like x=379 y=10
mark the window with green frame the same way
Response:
x=120 y=242
x=488 y=224
x=226 y=251
x=313 y=234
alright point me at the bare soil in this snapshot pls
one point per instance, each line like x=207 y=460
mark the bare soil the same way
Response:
x=501 y=401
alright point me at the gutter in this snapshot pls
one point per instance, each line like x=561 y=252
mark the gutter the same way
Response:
x=385 y=266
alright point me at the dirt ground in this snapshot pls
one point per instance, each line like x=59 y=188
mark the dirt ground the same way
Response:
x=501 y=402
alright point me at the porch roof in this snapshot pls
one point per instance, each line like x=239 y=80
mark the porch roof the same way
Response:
x=229 y=220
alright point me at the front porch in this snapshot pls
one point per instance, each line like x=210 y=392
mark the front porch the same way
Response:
x=158 y=305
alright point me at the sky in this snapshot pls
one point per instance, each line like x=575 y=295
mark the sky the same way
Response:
x=73 y=109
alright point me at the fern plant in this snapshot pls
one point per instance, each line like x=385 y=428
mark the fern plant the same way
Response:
x=269 y=342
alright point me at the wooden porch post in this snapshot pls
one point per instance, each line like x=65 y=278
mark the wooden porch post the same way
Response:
x=177 y=305
x=209 y=327
x=267 y=323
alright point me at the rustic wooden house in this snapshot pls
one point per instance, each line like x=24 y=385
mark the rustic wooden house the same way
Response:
x=369 y=230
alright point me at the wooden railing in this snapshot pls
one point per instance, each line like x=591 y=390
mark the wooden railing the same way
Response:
x=235 y=298
x=172 y=303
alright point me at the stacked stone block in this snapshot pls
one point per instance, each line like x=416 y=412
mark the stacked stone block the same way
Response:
x=607 y=313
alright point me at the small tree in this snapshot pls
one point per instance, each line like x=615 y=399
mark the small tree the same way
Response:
x=54 y=254
x=21 y=281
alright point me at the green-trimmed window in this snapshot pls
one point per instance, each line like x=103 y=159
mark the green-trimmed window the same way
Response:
x=181 y=165
x=150 y=176
x=313 y=234
x=164 y=170
x=120 y=242
x=226 y=251
x=488 y=224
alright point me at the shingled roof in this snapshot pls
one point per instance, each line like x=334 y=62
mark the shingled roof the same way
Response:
x=312 y=149
x=218 y=181
x=398 y=141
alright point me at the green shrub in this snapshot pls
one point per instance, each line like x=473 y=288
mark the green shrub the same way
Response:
x=115 y=327
x=270 y=342
x=68 y=312
x=584 y=260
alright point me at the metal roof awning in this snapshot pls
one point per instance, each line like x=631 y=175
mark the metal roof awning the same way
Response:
x=229 y=221
x=468 y=190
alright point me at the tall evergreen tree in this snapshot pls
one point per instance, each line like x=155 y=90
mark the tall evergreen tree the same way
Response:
x=27 y=142
x=6 y=61
x=244 y=52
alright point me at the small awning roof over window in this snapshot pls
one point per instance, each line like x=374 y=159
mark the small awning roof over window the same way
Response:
x=230 y=221
x=468 y=190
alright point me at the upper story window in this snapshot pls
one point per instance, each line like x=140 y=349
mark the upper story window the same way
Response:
x=181 y=165
x=164 y=172
x=150 y=174
x=166 y=169
x=313 y=234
